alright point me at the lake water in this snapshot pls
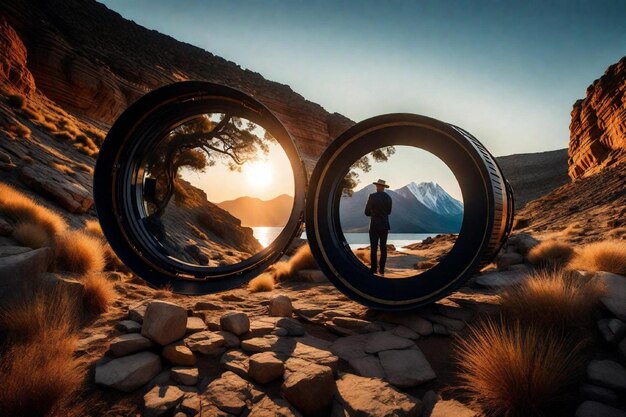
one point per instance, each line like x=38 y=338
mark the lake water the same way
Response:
x=266 y=235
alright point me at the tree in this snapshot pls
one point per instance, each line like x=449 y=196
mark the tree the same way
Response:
x=196 y=145
x=351 y=180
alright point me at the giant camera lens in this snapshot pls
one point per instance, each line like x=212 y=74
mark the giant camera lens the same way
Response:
x=200 y=187
x=486 y=199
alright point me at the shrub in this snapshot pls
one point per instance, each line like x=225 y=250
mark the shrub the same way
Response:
x=302 y=259
x=606 y=255
x=16 y=101
x=98 y=294
x=264 y=282
x=40 y=374
x=32 y=235
x=21 y=208
x=79 y=252
x=550 y=254
x=553 y=300
x=516 y=370
x=92 y=227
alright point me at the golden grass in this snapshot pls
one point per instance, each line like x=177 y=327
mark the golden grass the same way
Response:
x=63 y=168
x=40 y=373
x=264 y=282
x=79 y=252
x=550 y=254
x=93 y=228
x=32 y=114
x=302 y=259
x=515 y=370
x=98 y=293
x=606 y=255
x=553 y=300
x=617 y=233
x=21 y=208
x=32 y=235
x=164 y=292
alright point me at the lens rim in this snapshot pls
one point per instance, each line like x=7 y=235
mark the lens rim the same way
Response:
x=487 y=204
x=117 y=190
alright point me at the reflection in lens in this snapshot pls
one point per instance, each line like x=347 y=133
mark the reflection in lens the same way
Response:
x=212 y=191
x=406 y=204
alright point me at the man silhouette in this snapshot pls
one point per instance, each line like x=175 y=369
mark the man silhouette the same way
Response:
x=378 y=209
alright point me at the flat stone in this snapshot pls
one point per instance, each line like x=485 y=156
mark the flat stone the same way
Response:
x=414 y=322
x=159 y=400
x=607 y=373
x=380 y=341
x=128 y=326
x=129 y=343
x=617 y=327
x=403 y=331
x=207 y=305
x=229 y=393
x=206 y=342
x=406 y=368
x=615 y=296
x=260 y=327
x=129 y=372
x=164 y=322
x=350 y=347
x=195 y=324
x=136 y=312
x=280 y=306
x=596 y=393
x=308 y=387
x=179 y=354
x=372 y=397
x=450 y=324
x=273 y=407
x=450 y=408
x=292 y=326
x=236 y=361
x=440 y=329
x=368 y=366
x=497 y=280
x=184 y=375
x=23 y=269
x=265 y=367
x=596 y=409
x=357 y=325
x=235 y=322
x=191 y=405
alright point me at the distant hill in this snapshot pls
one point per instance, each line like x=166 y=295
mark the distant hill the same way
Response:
x=533 y=175
x=254 y=212
x=417 y=208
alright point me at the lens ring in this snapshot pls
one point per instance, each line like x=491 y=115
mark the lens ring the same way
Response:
x=117 y=190
x=486 y=220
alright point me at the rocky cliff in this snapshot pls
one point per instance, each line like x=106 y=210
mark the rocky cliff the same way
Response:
x=93 y=62
x=598 y=127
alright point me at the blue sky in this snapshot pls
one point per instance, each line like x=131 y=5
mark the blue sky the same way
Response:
x=508 y=72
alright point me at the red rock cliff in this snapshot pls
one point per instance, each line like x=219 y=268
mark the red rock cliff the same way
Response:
x=598 y=127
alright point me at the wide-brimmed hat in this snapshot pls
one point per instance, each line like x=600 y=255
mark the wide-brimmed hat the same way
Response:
x=381 y=182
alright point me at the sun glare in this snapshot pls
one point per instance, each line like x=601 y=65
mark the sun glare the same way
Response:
x=258 y=174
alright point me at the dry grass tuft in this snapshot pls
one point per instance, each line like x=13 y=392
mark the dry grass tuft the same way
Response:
x=553 y=300
x=516 y=370
x=80 y=253
x=21 y=208
x=164 y=292
x=264 y=282
x=302 y=259
x=40 y=374
x=32 y=235
x=92 y=227
x=551 y=254
x=607 y=255
x=98 y=294
x=63 y=168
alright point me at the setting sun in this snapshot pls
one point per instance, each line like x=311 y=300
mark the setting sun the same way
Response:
x=258 y=174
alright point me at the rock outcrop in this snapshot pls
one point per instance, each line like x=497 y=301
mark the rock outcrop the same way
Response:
x=13 y=60
x=598 y=127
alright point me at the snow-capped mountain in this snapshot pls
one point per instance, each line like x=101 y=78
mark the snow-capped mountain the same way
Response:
x=416 y=208
x=434 y=197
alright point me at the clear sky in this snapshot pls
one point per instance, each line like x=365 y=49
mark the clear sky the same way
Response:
x=506 y=71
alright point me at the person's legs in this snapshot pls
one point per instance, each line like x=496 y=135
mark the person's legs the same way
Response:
x=383 y=249
x=373 y=250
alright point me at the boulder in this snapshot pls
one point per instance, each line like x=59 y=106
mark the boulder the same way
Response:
x=236 y=361
x=368 y=366
x=596 y=409
x=265 y=367
x=291 y=326
x=380 y=341
x=161 y=399
x=179 y=354
x=406 y=368
x=207 y=342
x=273 y=407
x=22 y=268
x=235 y=322
x=607 y=373
x=280 y=306
x=309 y=387
x=230 y=340
x=184 y=375
x=129 y=343
x=230 y=393
x=508 y=259
x=368 y=397
x=129 y=372
x=137 y=311
x=195 y=324
x=164 y=322
x=614 y=298
x=497 y=280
